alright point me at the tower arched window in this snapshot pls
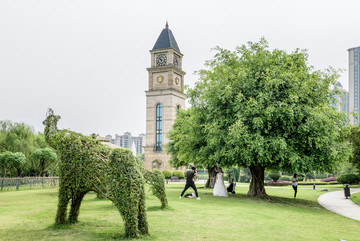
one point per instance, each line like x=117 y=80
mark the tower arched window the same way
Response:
x=158 y=127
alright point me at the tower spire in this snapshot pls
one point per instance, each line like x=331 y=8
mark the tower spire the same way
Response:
x=166 y=40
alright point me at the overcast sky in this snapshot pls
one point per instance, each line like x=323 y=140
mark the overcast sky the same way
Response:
x=87 y=59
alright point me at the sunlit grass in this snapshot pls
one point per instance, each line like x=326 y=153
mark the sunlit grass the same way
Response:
x=355 y=198
x=29 y=215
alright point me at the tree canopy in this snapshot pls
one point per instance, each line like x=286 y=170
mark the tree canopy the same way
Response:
x=355 y=141
x=261 y=108
x=20 y=137
x=11 y=160
x=42 y=158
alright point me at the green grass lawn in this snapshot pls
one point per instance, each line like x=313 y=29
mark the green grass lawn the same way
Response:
x=29 y=215
x=355 y=198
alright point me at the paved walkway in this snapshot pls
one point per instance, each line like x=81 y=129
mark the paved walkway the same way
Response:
x=337 y=203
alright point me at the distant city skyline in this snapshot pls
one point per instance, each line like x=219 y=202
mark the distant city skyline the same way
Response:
x=127 y=140
x=87 y=60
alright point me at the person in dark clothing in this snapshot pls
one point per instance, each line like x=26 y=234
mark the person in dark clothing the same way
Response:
x=294 y=184
x=190 y=182
x=230 y=188
x=216 y=171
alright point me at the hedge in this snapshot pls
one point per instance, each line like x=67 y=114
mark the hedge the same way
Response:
x=167 y=173
x=349 y=178
x=178 y=174
x=279 y=183
x=317 y=183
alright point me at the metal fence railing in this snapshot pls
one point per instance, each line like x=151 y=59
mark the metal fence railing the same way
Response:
x=17 y=183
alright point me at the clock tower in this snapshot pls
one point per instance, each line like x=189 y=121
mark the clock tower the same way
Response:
x=163 y=98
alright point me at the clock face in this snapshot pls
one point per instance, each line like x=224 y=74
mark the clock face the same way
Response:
x=161 y=60
x=176 y=61
x=177 y=80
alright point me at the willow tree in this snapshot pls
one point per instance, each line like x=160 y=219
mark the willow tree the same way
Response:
x=261 y=108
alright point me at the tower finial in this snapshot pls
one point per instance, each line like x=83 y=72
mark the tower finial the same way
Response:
x=167 y=25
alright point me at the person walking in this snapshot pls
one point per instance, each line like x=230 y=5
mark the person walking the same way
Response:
x=190 y=182
x=294 y=184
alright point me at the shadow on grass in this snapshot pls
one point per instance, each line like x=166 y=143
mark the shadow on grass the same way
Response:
x=277 y=200
x=159 y=208
x=49 y=194
x=89 y=226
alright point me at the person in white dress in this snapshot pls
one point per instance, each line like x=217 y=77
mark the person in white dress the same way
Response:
x=219 y=187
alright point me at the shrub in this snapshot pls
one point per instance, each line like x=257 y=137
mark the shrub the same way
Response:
x=317 y=183
x=157 y=185
x=167 y=173
x=279 y=183
x=310 y=176
x=300 y=178
x=285 y=178
x=178 y=174
x=274 y=176
x=245 y=178
x=328 y=179
x=348 y=178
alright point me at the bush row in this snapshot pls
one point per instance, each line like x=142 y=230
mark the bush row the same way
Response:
x=348 y=178
x=278 y=183
x=317 y=183
x=177 y=173
x=328 y=179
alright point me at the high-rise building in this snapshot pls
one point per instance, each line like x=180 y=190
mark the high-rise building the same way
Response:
x=110 y=139
x=342 y=99
x=127 y=140
x=139 y=142
x=163 y=98
x=354 y=85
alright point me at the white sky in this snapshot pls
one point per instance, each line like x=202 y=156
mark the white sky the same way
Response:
x=87 y=59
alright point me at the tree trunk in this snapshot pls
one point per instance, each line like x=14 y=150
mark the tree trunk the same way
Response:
x=210 y=181
x=256 y=187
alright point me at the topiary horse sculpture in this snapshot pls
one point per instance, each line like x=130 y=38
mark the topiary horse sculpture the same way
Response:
x=86 y=165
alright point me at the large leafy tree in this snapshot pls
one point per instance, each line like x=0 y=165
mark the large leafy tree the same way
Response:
x=258 y=108
x=10 y=160
x=355 y=141
x=19 y=137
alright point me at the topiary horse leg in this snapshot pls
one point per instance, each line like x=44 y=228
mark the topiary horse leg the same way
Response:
x=164 y=201
x=142 y=220
x=131 y=222
x=62 y=207
x=75 y=207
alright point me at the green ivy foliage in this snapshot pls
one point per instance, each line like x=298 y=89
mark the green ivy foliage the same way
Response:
x=86 y=165
x=157 y=185
x=127 y=187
